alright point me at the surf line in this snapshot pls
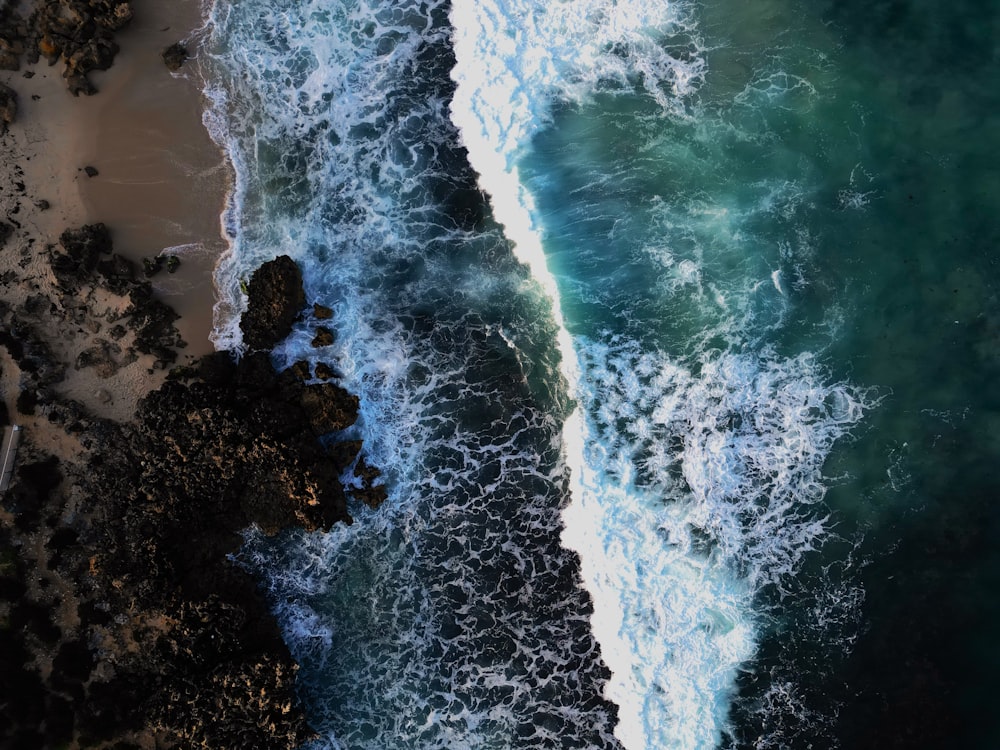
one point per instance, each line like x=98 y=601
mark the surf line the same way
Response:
x=513 y=207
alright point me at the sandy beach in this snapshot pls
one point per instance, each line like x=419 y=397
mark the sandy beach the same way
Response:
x=162 y=181
x=140 y=462
x=159 y=187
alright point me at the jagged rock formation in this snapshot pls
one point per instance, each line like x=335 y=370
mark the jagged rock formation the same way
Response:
x=78 y=33
x=122 y=619
x=275 y=300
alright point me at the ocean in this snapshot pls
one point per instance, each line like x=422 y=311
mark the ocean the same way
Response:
x=675 y=328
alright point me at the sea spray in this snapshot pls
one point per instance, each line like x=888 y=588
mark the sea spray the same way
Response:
x=451 y=617
x=697 y=476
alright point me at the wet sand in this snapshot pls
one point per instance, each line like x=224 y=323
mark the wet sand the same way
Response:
x=161 y=180
x=160 y=187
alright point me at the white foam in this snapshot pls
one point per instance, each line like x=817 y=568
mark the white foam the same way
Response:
x=709 y=495
x=468 y=491
x=515 y=58
x=676 y=542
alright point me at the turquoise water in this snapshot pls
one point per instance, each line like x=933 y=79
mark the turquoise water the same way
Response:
x=674 y=330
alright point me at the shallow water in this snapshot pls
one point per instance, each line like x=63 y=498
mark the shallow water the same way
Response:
x=674 y=332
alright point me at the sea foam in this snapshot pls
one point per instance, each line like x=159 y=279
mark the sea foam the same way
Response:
x=697 y=482
x=449 y=617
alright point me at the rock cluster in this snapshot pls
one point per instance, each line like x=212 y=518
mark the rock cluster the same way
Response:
x=154 y=632
x=78 y=33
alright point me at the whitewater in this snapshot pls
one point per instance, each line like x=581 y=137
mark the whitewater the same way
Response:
x=676 y=583
x=568 y=325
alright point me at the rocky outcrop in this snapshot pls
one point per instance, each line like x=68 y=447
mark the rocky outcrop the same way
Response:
x=175 y=56
x=85 y=258
x=80 y=250
x=145 y=631
x=324 y=337
x=275 y=298
x=77 y=33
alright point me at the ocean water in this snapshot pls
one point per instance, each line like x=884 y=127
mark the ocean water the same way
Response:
x=674 y=328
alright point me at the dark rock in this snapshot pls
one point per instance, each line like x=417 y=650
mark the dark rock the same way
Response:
x=78 y=84
x=173 y=263
x=31 y=616
x=153 y=322
x=373 y=497
x=27 y=399
x=91 y=171
x=101 y=357
x=91 y=612
x=275 y=298
x=42 y=205
x=217 y=369
x=74 y=661
x=62 y=538
x=324 y=337
x=343 y=454
x=152 y=266
x=175 y=56
x=59 y=719
x=366 y=473
x=36 y=481
x=321 y=312
x=11 y=589
x=6 y=230
x=369 y=493
x=8 y=106
x=118 y=273
x=36 y=304
x=24 y=711
x=82 y=44
x=81 y=250
x=324 y=371
x=329 y=407
x=301 y=370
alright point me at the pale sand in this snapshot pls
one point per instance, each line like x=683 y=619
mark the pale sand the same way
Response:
x=161 y=184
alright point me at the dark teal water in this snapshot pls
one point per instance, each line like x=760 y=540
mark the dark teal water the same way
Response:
x=778 y=279
x=923 y=276
x=852 y=149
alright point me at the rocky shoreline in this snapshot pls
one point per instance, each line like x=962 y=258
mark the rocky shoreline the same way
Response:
x=122 y=618
x=80 y=34
x=123 y=623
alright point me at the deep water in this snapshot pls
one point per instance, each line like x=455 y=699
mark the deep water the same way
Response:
x=675 y=330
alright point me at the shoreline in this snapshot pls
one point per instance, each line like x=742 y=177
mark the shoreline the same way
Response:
x=163 y=182
x=160 y=187
x=123 y=621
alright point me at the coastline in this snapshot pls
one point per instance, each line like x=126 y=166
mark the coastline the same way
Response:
x=143 y=459
x=162 y=181
x=160 y=186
